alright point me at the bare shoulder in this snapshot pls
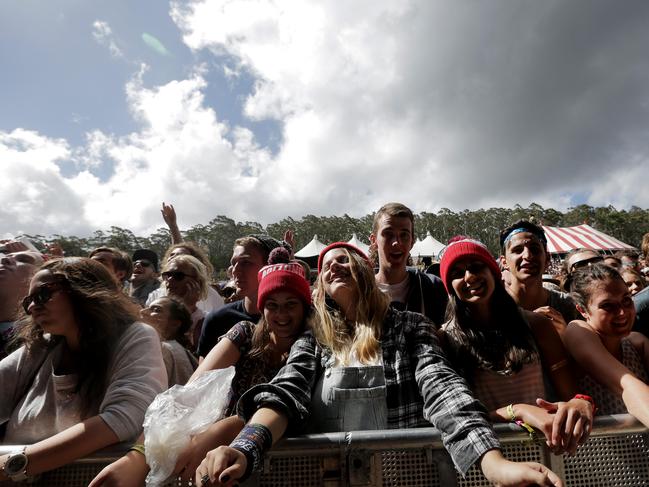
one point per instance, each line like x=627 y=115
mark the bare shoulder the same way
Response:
x=639 y=341
x=577 y=331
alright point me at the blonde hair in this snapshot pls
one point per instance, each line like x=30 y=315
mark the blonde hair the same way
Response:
x=199 y=268
x=359 y=339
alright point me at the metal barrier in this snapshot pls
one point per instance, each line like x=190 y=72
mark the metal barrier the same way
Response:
x=617 y=454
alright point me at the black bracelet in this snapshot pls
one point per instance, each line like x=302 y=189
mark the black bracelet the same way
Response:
x=253 y=440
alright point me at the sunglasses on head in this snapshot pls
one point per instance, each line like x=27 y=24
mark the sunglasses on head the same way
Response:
x=176 y=275
x=143 y=263
x=586 y=262
x=41 y=296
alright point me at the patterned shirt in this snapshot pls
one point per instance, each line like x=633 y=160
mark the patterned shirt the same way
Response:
x=422 y=388
x=608 y=402
x=248 y=371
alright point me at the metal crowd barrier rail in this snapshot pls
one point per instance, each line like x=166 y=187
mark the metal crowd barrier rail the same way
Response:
x=617 y=454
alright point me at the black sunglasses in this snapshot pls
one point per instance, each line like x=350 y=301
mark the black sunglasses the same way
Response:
x=41 y=296
x=176 y=275
x=143 y=263
x=585 y=262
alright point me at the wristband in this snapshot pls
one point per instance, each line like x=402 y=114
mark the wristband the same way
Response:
x=530 y=430
x=253 y=441
x=138 y=447
x=587 y=398
x=510 y=411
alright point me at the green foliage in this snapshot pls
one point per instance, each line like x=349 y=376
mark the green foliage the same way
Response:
x=218 y=236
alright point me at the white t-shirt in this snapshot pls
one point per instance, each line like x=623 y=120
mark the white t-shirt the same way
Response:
x=213 y=301
x=397 y=292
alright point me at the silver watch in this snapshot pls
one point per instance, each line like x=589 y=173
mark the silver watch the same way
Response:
x=16 y=466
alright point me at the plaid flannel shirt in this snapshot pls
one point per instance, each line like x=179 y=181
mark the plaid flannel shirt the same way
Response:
x=422 y=388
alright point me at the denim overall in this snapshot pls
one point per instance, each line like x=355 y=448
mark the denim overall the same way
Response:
x=349 y=399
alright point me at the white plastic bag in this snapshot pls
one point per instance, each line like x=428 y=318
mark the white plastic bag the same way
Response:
x=179 y=413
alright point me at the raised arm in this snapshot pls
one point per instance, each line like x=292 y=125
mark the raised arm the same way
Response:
x=589 y=352
x=169 y=216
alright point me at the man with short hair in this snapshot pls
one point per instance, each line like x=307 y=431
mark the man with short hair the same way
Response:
x=409 y=289
x=249 y=255
x=16 y=272
x=144 y=278
x=116 y=261
x=525 y=255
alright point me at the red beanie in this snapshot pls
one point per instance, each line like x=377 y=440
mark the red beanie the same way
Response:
x=345 y=245
x=287 y=276
x=465 y=248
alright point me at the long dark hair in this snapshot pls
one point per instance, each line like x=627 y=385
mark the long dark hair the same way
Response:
x=261 y=345
x=102 y=313
x=503 y=347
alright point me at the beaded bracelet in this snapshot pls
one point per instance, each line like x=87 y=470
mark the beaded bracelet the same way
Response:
x=253 y=441
x=138 y=447
x=510 y=411
x=587 y=398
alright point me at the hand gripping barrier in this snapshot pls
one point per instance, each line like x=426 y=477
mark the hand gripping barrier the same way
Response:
x=617 y=454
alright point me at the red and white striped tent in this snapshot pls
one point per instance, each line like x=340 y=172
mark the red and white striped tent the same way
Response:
x=564 y=239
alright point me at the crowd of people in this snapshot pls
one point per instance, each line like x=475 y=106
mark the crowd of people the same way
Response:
x=88 y=342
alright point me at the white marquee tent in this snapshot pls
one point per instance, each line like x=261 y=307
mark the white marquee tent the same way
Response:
x=428 y=247
x=312 y=249
x=358 y=243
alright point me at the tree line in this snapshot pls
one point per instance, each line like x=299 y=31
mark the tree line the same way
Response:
x=218 y=235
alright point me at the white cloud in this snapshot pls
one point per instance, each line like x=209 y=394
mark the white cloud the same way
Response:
x=436 y=104
x=103 y=34
x=34 y=197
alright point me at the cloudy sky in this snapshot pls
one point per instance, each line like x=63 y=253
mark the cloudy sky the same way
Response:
x=261 y=109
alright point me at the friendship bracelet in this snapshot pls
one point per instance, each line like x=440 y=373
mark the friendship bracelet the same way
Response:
x=587 y=398
x=253 y=441
x=138 y=447
x=529 y=429
x=510 y=411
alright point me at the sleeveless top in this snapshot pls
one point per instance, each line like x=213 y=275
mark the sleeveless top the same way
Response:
x=607 y=401
x=496 y=390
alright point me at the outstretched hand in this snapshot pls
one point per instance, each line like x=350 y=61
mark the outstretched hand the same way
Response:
x=128 y=471
x=572 y=423
x=223 y=466
x=504 y=473
x=11 y=246
x=527 y=473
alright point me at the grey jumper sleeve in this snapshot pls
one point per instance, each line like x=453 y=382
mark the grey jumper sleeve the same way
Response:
x=136 y=375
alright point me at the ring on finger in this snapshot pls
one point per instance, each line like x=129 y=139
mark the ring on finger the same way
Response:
x=205 y=480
